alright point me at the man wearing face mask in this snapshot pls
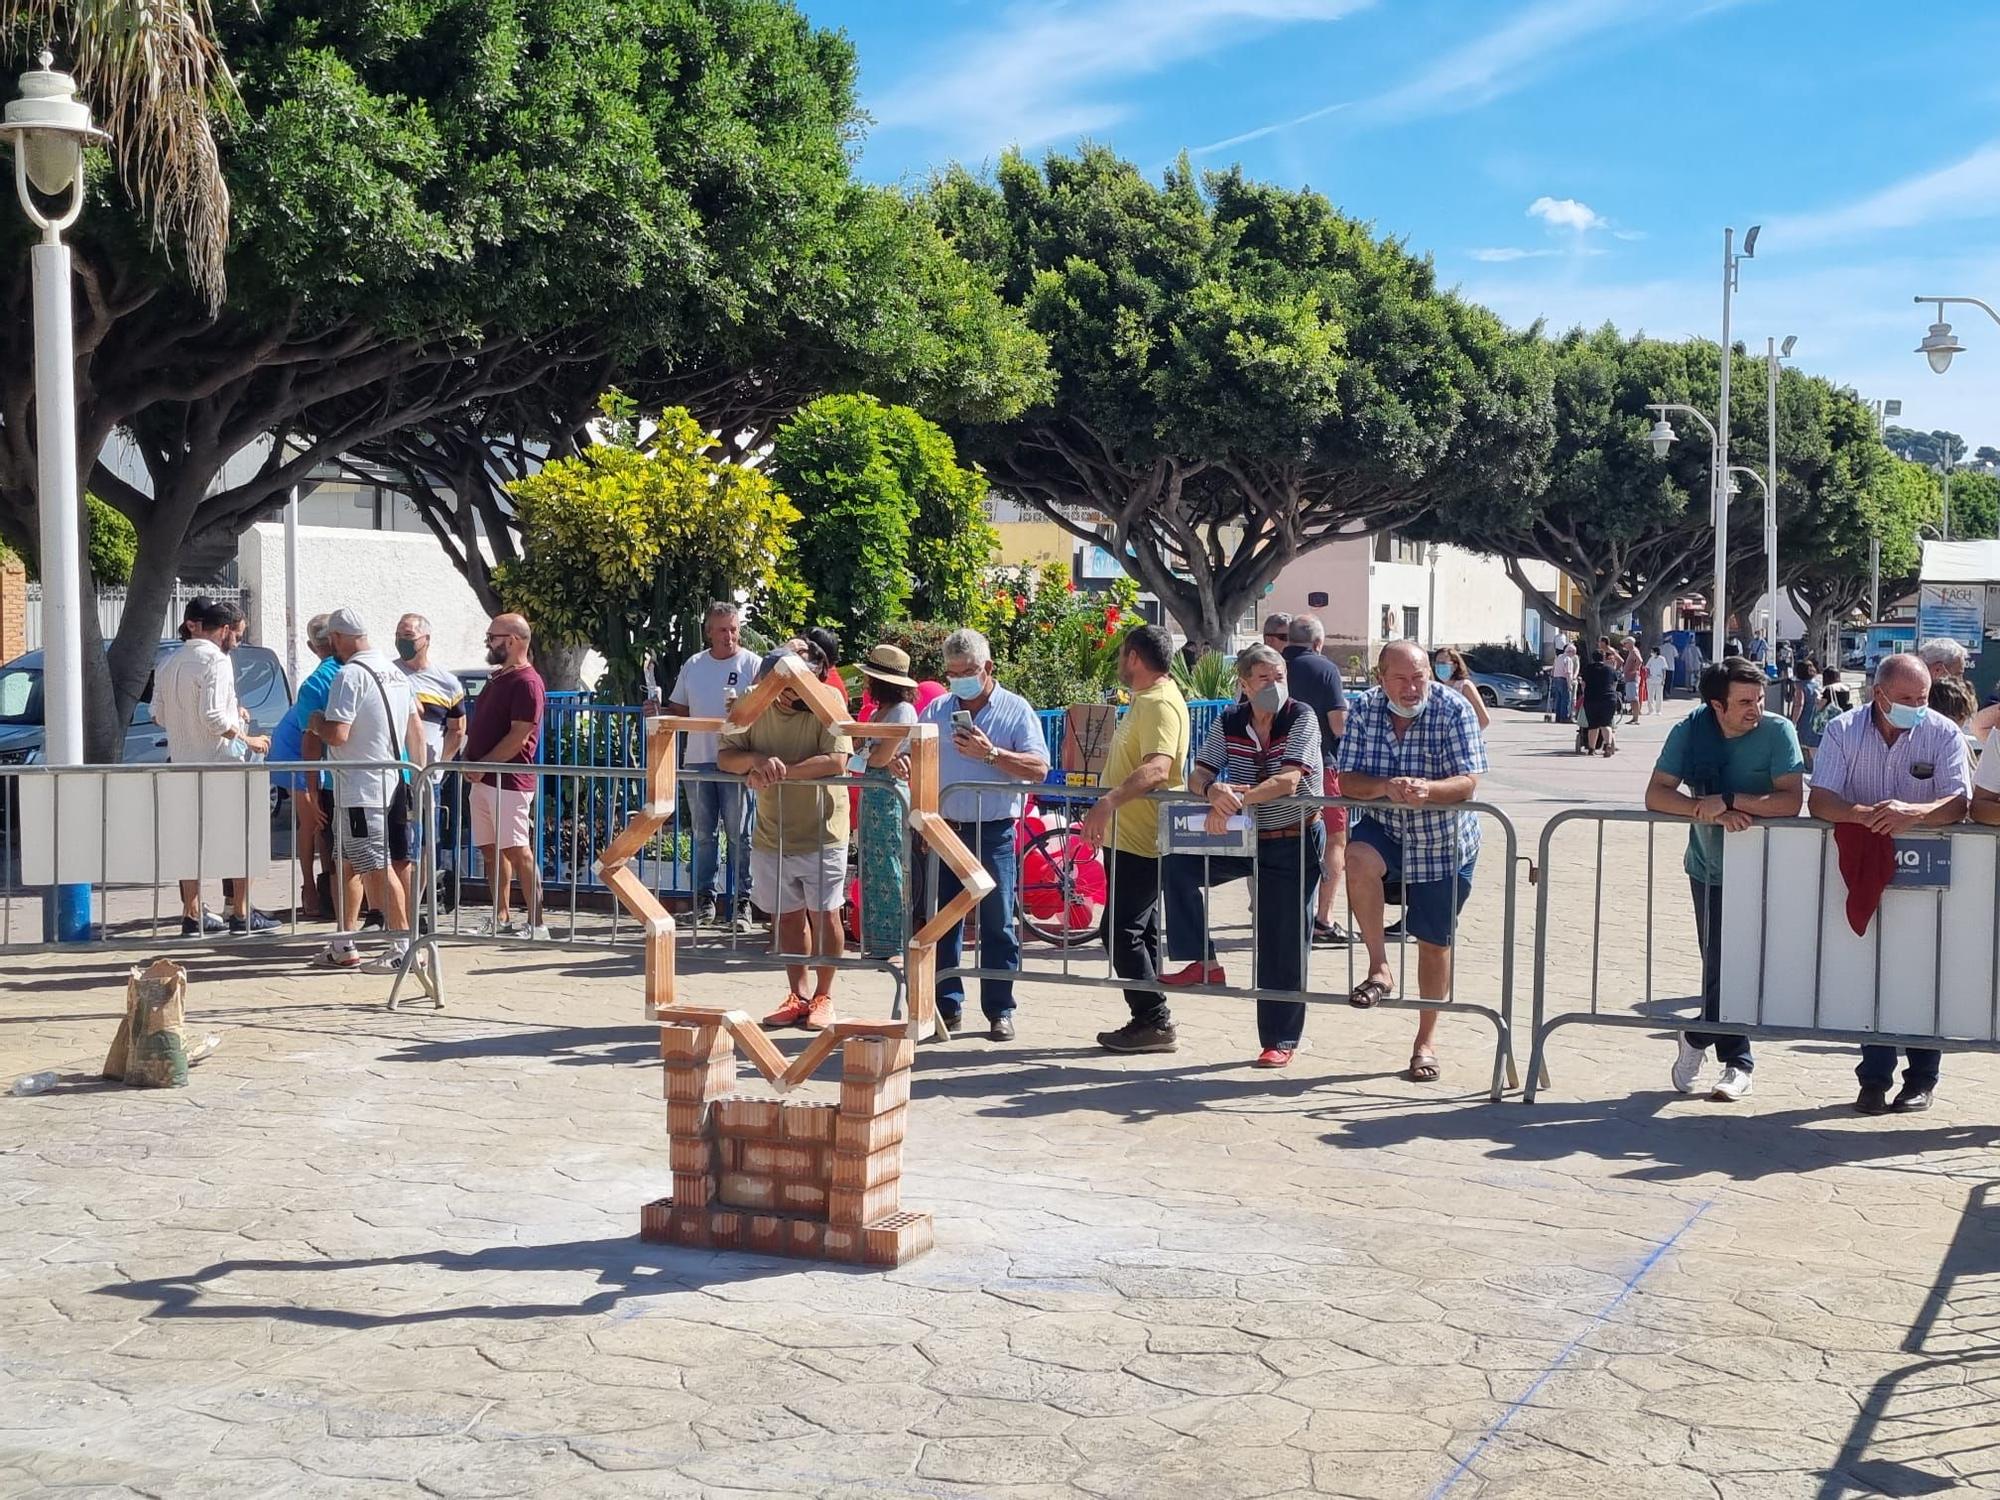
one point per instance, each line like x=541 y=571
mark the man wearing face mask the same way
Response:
x=1259 y=754
x=1891 y=765
x=985 y=734
x=1417 y=748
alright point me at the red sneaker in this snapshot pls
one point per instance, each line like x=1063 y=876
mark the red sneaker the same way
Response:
x=1273 y=1057
x=1194 y=974
x=792 y=1013
x=819 y=1015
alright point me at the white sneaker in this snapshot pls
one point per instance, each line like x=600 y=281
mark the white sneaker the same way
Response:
x=1688 y=1063
x=1734 y=1084
x=489 y=928
x=388 y=961
x=533 y=934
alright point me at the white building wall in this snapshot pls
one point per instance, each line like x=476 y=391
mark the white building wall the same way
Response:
x=381 y=574
x=1475 y=599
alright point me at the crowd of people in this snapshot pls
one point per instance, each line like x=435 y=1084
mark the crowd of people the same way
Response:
x=374 y=720
x=1902 y=759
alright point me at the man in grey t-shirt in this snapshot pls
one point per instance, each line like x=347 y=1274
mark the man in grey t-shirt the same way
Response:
x=708 y=684
x=370 y=716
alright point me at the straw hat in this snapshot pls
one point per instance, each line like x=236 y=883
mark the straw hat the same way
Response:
x=890 y=664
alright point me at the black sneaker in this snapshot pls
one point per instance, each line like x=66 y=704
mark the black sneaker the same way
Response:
x=209 y=925
x=1873 y=1099
x=1140 y=1036
x=705 y=912
x=256 y=922
x=371 y=921
x=1330 y=935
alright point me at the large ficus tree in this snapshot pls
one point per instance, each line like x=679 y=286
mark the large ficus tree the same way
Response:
x=1241 y=373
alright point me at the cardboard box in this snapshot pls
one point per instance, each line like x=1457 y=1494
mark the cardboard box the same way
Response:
x=1087 y=731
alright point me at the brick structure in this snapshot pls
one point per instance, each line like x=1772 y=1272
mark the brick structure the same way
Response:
x=779 y=1176
x=785 y=1176
x=13 y=607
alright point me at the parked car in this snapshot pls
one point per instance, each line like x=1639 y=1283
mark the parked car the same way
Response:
x=261 y=687
x=1505 y=690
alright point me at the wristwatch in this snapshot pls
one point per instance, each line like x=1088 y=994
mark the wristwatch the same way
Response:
x=992 y=754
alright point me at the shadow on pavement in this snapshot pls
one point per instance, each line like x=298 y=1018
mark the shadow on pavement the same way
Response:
x=625 y=1266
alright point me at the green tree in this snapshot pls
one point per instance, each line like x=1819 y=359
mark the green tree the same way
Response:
x=893 y=525
x=1933 y=448
x=1242 y=373
x=1975 y=505
x=624 y=544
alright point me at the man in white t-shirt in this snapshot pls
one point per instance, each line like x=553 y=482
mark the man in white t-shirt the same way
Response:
x=370 y=716
x=708 y=684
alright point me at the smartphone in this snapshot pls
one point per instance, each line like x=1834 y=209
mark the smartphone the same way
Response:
x=961 y=720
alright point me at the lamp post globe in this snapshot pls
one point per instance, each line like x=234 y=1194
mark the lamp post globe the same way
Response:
x=1939 y=345
x=1661 y=437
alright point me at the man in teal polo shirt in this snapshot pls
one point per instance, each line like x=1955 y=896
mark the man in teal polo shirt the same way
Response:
x=1737 y=763
x=309 y=809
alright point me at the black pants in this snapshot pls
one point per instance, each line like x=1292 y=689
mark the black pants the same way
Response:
x=1285 y=877
x=1730 y=1051
x=1132 y=932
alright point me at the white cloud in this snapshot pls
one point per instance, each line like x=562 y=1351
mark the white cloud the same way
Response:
x=1047 y=71
x=1566 y=213
x=1964 y=190
x=1507 y=253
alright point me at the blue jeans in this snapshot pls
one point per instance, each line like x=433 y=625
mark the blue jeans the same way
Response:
x=1559 y=699
x=720 y=805
x=999 y=939
x=1878 y=1066
x=1285 y=887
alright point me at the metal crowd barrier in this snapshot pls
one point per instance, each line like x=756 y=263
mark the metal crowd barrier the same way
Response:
x=130 y=833
x=1044 y=833
x=1772 y=987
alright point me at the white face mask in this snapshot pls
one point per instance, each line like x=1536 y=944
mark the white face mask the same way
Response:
x=1407 y=713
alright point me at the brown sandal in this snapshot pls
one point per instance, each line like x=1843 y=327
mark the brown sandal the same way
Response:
x=1370 y=993
x=1423 y=1067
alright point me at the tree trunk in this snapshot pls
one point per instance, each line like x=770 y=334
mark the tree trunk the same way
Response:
x=561 y=666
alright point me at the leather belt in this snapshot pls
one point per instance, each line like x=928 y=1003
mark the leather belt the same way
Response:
x=1278 y=833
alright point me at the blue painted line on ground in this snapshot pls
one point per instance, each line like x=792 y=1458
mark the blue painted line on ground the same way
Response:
x=1603 y=1315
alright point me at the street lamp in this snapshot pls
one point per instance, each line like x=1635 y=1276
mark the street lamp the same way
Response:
x=1940 y=344
x=1662 y=438
x=1773 y=353
x=48 y=127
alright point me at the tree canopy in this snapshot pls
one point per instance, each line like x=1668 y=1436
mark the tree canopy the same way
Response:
x=1241 y=373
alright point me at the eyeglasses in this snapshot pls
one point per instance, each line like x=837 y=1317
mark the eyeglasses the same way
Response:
x=492 y=639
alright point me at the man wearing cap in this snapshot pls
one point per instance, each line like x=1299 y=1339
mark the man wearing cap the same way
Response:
x=709 y=683
x=798 y=847
x=370 y=716
x=986 y=733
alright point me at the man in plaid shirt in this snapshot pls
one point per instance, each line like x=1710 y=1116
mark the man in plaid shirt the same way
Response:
x=1416 y=749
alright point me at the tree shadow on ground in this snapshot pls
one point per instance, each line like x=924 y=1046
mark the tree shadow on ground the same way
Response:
x=1663 y=1145
x=626 y=1267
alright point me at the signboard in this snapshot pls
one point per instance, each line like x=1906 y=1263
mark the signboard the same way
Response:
x=1993 y=611
x=1184 y=830
x=1923 y=862
x=1954 y=610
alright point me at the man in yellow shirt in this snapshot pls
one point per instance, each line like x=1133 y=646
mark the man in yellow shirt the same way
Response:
x=1149 y=753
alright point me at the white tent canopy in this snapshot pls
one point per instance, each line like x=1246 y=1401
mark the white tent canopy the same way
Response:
x=1961 y=562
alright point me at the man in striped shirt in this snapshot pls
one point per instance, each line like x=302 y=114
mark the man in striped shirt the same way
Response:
x=1258 y=756
x=1891 y=765
x=1417 y=749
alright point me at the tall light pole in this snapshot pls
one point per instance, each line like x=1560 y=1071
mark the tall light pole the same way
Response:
x=1945 y=466
x=1662 y=438
x=1772 y=354
x=1731 y=260
x=48 y=127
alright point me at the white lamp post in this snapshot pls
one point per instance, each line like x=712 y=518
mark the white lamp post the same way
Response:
x=1773 y=352
x=1662 y=438
x=48 y=127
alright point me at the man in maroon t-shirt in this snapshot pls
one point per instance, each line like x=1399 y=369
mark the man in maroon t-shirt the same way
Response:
x=506 y=724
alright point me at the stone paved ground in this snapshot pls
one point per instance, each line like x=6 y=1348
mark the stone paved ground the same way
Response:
x=377 y=1254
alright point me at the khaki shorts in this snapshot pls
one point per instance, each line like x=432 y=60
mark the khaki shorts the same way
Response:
x=813 y=880
x=500 y=817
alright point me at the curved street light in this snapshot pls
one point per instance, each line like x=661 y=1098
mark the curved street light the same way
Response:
x=49 y=127
x=1940 y=345
x=1662 y=436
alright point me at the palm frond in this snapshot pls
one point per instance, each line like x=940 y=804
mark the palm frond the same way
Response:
x=157 y=81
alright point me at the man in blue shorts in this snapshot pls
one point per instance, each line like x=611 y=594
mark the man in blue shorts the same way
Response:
x=1417 y=750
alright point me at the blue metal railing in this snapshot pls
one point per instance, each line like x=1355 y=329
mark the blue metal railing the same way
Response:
x=573 y=816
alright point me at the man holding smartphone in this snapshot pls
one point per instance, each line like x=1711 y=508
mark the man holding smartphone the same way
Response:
x=985 y=734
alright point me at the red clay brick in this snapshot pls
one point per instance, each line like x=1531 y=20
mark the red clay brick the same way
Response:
x=768 y=1235
x=727 y=1228
x=867 y=1097
x=700 y=1085
x=694 y=1189
x=689 y=1228
x=842 y=1242
x=738 y=1114
x=867 y=1133
x=804 y=1123
x=805 y=1238
x=691 y=1153
x=771 y=1159
x=687 y=1118
x=695 y=1044
x=874 y=1057
x=864 y=1205
x=656 y=1219
x=747 y=1190
x=851 y=1169
x=802 y=1198
x=896 y=1239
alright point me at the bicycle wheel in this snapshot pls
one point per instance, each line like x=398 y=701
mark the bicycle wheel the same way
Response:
x=1050 y=901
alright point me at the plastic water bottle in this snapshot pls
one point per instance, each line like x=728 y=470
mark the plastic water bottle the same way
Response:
x=206 y=1048
x=34 y=1083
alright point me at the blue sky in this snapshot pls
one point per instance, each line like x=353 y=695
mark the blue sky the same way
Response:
x=1568 y=159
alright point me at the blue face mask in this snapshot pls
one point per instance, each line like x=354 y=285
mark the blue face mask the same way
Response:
x=965 y=689
x=1444 y=671
x=1904 y=715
